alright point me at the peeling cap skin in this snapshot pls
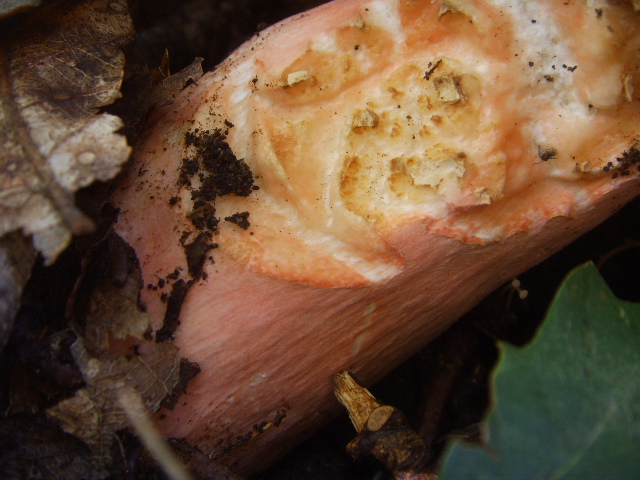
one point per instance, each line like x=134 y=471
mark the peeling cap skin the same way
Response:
x=410 y=157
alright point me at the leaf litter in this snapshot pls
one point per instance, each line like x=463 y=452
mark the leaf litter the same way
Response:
x=12 y=7
x=124 y=374
x=123 y=370
x=110 y=284
x=94 y=413
x=16 y=260
x=57 y=70
x=37 y=450
x=145 y=88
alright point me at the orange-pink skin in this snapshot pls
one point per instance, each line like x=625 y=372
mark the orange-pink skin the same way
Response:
x=265 y=343
x=239 y=325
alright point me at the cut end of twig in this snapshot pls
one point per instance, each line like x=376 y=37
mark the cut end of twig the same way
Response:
x=383 y=431
x=358 y=401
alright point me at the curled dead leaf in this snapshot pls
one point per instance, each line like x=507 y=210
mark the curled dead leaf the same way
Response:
x=94 y=413
x=16 y=259
x=124 y=374
x=11 y=7
x=113 y=311
x=56 y=71
x=148 y=88
x=38 y=450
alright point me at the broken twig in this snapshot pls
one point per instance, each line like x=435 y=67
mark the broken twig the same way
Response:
x=383 y=431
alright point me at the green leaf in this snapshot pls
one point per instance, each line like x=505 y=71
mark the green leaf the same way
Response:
x=567 y=406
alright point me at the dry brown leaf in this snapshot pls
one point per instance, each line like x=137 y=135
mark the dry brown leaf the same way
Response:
x=16 y=259
x=114 y=312
x=149 y=88
x=168 y=88
x=105 y=303
x=56 y=71
x=38 y=450
x=94 y=413
x=11 y=7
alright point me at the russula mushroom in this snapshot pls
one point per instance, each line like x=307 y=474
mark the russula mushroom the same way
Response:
x=382 y=165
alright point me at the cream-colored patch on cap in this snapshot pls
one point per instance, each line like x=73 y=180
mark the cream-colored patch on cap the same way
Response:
x=436 y=173
x=297 y=77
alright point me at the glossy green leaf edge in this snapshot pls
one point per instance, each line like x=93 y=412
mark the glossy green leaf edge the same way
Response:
x=566 y=406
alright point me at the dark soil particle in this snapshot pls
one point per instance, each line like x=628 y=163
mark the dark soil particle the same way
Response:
x=173 y=275
x=172 y=314
x=431 y=69
x=241 y=219
x=183 y=238
x=189 y=168
x=188 y=371
x=226 y=173
x=203 y=216
x=219 y=173
x=623 y=163
x=196 y=252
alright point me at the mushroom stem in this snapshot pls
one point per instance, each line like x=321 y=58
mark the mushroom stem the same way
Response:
x=351 y=181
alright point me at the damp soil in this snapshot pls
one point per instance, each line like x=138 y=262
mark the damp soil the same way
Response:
x=188 y=371
x=210 y=171
x=171 y=320
x=443 y=390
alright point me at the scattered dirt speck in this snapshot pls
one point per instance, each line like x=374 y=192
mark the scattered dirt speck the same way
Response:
x=196 y=253
x=174 y=305
x=241 y=219
x=188 y=371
